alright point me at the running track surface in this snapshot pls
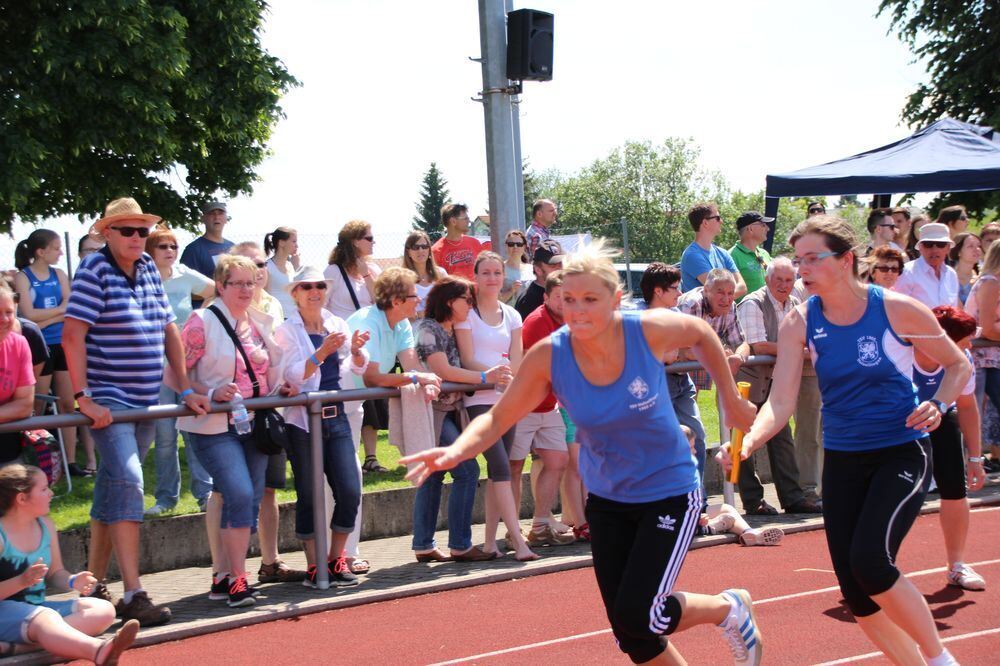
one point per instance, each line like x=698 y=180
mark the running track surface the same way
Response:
x=558 y=618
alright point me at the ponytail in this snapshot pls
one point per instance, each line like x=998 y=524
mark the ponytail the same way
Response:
x=21 y=257
x=272 y=239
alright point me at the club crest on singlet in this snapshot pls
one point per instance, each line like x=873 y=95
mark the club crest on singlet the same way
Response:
x=868 y=354
x=638 y=388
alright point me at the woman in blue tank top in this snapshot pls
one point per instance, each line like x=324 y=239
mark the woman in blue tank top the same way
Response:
x=606 y=368
x=876 y=449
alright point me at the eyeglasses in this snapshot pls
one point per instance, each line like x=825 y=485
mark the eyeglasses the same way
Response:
x=810 y=260
x=409 y=296
x=416 y=246
x=813 y=211
x=964 y=217
x=514 y=244
x=467 y=298
x=673 y=287
x=166 y=246
x=128 y=232
x=240 y=285
x=309 y=286
x=888 y=269
x=370 y=239
x=935 y=244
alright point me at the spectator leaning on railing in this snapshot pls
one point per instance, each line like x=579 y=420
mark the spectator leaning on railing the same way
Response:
x=17 y=381
x=118 y=310
x=714 y=304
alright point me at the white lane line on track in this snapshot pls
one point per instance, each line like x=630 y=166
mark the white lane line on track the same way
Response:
x=757 y=602
x=873 y=655
x=811 y=569
x=985 y=509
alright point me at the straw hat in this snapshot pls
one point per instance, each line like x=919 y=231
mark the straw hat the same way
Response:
x=935 y=232
x=122 y=210
x=308 y=274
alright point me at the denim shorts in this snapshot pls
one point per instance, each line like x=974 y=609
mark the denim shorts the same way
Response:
x=118 y=485
x=15 y=616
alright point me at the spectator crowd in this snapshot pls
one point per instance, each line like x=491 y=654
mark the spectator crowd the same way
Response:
x=144 y=322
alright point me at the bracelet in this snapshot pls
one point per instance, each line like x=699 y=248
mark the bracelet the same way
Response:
x=413 y=378
x=316 y=360
x=186 y=392
x=72 y=577
x=482 y=377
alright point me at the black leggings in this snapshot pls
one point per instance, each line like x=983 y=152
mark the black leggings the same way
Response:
x=870 y=501
x=638 y=551
x=949 y=457
x=497 y=456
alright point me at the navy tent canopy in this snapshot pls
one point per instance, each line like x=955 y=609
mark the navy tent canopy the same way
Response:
x=946 y=156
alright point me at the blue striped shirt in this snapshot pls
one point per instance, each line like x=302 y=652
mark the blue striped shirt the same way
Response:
x=127 y=319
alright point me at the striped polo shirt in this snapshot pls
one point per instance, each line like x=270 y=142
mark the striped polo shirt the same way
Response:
x=127 y=319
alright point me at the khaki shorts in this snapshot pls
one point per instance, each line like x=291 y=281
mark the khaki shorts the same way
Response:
x=539 y=431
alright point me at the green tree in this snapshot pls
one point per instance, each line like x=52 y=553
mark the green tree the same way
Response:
x=107 y=98
x=956 y=38
x=433 y=195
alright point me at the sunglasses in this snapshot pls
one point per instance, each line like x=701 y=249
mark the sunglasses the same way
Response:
x=888 y=269
x=128 y=232
x=165 y=246
x=309 y=286
x=714 y=217
x=370 y=239
x=817 y=210
x=889 y=225
x=258 y=264
x=935 y=244
x=416 y=246
x=514 y=244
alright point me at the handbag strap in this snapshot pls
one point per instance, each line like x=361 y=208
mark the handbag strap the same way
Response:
x=239 y=347
x=350 y=288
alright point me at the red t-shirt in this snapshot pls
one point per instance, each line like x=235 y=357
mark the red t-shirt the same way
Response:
x=537 y=326
x=15 y=366
x=457 y=257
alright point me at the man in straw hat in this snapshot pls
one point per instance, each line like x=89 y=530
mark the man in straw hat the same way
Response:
x=118 y=327
x=928 y=278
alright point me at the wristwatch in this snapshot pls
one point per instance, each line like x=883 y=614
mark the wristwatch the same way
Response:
x=977 y=459
x=84 y=393
x=943 y=408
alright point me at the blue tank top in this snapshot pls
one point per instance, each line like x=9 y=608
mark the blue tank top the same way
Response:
x=928 y=383
x=865 y=374
x=47 y=294
x=632 y=448
x=13 y=562
x=329 y=372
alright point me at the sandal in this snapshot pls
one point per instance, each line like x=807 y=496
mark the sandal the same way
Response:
x=359 y=565
x=114 y=646
x=582 y=532
x=371 y=464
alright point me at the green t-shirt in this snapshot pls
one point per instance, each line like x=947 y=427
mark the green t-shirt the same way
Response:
x=751 y=265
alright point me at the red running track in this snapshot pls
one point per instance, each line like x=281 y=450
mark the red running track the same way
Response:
x=558 y=618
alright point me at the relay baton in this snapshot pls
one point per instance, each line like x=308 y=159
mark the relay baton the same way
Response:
x=736 y=445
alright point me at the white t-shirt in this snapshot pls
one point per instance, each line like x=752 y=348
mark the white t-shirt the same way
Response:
x=338 y=301
x=276 y=283
x=489 y=344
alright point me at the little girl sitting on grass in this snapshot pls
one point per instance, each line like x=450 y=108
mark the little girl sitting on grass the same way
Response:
x=722 y=518
x=29 y=557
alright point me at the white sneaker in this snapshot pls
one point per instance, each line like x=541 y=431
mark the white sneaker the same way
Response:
x=741 y=630
x=762 y=536
x=155 y=510
x=963 y=576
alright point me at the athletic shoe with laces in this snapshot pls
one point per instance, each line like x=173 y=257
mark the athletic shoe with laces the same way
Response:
x=963 y=576
x=762 y=536
x=240 y=593
x=340 y=573
x=220 y=589
x=549 y=537
x=740 y=629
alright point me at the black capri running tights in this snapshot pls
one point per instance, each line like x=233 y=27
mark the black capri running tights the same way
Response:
x=948 y=453
x=870 y=501
x=497 y=456
x=638 y=551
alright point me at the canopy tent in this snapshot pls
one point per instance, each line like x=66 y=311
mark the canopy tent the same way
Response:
x=945 y=156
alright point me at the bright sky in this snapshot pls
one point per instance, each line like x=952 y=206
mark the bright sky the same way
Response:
x=760 y=85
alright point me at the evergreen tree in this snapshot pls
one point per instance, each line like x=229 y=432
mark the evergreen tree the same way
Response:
x=433 y=195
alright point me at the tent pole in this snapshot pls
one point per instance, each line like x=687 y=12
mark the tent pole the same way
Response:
x=770 y=210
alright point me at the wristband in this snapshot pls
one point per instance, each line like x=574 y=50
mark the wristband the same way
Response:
x=413 y=378
x=977 y=459
x=482 y=377
x=72 y=577
x=185 y=393
x=315 y=360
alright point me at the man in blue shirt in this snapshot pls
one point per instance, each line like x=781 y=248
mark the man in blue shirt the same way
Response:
x=703 y=255
x=200 y=253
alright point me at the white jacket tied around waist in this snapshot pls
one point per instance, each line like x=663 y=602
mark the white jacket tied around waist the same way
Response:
x=218 y=366
x=292 y=337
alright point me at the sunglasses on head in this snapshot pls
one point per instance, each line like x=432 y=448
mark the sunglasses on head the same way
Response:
x=420 y=246
x=309 y=286
x=514 y=244
x=165 y=246
x=935 y=244
x=128 y=232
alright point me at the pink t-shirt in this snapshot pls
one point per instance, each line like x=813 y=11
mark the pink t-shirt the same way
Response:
x=15 y=366
x=193 y=337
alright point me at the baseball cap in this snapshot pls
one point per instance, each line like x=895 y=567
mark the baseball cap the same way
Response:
x=214 y=205
x=751 y=217
x=549 y=252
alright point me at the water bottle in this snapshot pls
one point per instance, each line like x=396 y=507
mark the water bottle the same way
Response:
x=498 y=387
x=241 y=419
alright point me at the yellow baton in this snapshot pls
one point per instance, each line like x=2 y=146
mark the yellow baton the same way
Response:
x=736 y=446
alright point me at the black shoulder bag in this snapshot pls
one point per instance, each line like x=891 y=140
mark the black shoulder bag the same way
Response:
x=268 y=425
x=350 y=288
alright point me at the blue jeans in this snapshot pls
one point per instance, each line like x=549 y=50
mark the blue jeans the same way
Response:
x=465 y=480
x=118 y=484
x=340 y=467
x=237 y=468
x=168 y=466
x=683 y=396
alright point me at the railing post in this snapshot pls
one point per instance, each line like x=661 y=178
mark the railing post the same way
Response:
x=319 y=492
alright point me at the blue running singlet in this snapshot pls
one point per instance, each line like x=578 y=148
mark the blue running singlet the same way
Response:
x=928 y=383
x=632 y=448
x=47 y=294
x=865 y=374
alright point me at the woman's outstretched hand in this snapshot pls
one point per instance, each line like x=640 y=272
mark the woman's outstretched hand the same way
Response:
x=422 y=465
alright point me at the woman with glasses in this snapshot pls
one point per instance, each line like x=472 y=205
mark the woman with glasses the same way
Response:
x=418 y=258
x=217 y=369
x=955 y=217
x=964 y=258
x=877 y=455
x=885 y=264
x=180 y=283
x=320 y=350
x=282 y=248
x=263 y=301
x=516 y=268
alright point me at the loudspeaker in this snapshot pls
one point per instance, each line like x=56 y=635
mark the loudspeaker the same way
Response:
x=529 y=45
